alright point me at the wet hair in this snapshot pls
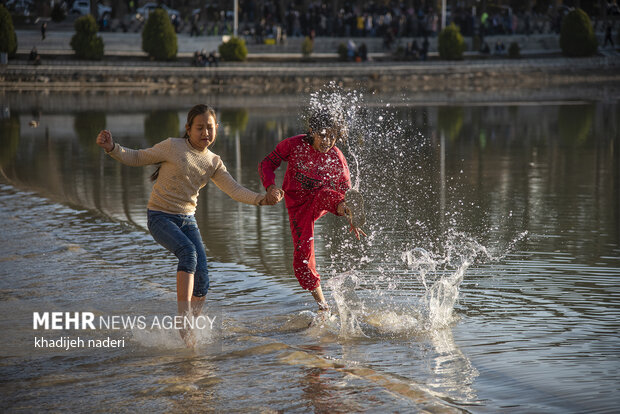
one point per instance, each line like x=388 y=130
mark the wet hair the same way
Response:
x=193 y=113
x=321 y=119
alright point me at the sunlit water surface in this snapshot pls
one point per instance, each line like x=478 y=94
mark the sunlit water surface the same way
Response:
x=488 y=282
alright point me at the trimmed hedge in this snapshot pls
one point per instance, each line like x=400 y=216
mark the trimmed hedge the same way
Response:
x=451 y=43
x=342 y=52
x=159 y=39
x=8 y=38
x=85 y=42
x=576 y=36
x=514 y=50
x=234 y=50
x=307 y=47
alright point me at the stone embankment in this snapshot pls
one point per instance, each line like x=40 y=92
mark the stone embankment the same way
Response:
x=254 y=78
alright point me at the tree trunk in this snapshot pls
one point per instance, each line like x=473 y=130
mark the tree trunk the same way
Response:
x=119 y=9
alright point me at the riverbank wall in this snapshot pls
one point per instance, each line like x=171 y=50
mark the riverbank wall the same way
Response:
x=475 y=77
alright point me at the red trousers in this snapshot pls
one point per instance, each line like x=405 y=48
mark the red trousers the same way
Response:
x=302 y=218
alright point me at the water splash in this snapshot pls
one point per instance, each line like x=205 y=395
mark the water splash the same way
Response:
x=351 y=309
x=343 y=106
x=416 y=296
x=168 y=338
x=442 y=275
x=384 y=287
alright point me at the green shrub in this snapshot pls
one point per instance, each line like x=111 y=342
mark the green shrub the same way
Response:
x=576 y=36
x=342 y=52
x=8 y=38
x=58 y=13
x=307 y=46
x=234 y=50
x=159 y=40
x=476 y=43
x=85 y=42
x=514 y=50
x=451 y=43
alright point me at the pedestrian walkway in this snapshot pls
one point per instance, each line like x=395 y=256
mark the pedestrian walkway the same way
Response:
x=609 y=52
x=129 y=45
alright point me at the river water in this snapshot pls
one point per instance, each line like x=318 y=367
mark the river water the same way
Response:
x=489 y=280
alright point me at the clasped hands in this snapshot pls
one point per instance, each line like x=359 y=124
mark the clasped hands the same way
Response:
x=274 y=195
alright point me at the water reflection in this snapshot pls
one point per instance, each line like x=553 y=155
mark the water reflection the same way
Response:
x=493 y=171
x=575 y=123
x=85 y=124
x=159 y=125
x=235 y=120
x=454 y=374
x=450 y=121
x=10 y=128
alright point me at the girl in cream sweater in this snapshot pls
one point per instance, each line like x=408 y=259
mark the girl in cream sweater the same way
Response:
x=185 y=166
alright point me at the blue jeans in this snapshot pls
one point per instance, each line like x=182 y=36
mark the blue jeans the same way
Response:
x=180 y=235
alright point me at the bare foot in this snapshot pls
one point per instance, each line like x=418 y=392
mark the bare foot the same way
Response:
x=188 y=337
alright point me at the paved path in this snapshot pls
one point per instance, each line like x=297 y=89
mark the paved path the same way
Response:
x=130 y=44
x=114 y=43
x=126 y=67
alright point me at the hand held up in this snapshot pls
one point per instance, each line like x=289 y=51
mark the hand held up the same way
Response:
x=105 y=141
x=343 y=210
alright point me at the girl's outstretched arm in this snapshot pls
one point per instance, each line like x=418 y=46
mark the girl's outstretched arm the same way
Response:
x=153 y=155
x=272 y=161
x=236 y=191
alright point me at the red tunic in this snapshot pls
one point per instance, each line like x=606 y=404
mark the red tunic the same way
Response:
x=314 y=184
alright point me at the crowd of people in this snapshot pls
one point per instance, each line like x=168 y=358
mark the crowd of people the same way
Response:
x=201 y=58
x=267 y=22
x=319 y=19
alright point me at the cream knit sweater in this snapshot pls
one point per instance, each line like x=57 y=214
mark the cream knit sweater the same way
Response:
x=184 y=171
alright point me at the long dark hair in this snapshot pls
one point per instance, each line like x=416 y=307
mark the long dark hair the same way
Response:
x=193 y=113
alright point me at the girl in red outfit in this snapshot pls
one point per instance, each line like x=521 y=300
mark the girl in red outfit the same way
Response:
x=315 y=183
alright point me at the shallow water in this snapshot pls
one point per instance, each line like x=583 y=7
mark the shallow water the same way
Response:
x=488 y=282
